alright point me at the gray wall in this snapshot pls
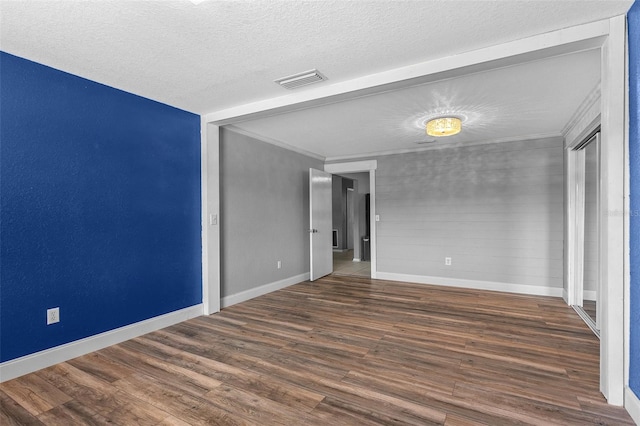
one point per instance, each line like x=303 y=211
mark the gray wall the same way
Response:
x=264 y=197
x=496 y=209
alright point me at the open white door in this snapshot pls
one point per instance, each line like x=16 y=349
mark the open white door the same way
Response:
x=320 y=218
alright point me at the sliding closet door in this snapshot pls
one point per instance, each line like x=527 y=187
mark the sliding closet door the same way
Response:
x=587 y=220
x=590 y=267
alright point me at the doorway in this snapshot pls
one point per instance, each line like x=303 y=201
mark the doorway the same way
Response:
x=350 y=196
x=351 y=227
x=363 y=174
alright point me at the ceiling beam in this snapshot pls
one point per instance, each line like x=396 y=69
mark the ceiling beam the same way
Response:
x=560 y=42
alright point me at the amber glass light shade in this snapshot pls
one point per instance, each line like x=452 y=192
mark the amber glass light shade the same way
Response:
x=444 y=126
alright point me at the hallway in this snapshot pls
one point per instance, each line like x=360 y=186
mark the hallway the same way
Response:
x=343 y=264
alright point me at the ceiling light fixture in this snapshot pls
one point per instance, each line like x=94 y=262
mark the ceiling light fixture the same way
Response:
x=444 y=126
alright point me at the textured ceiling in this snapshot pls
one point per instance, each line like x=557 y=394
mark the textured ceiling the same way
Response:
x=213 y=55
x=531 y=99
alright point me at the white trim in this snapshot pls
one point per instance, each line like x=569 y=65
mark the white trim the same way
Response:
x=565 y=296
x=210 y=218
x=473 y=284
x=627 y=246
x=540 y=46
x=351 y=167
x=632 y=404
x=204 y=212
x=588 y=110
x=599 y=283
x=48 y=357
x=356 y=259
x=263 y=289
x=612 y=240
x=589 y=295
x=571 y=229
x=444 y=145
x=272 y=141
x=373 y=238
x=577 y=223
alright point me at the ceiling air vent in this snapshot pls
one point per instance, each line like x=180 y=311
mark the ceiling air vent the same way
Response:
x=301 y=79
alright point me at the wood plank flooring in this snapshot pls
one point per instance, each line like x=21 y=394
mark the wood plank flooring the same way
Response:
x=338 y=351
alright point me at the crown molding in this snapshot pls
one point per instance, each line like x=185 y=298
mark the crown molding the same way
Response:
x=590 y=103
x=275 y=142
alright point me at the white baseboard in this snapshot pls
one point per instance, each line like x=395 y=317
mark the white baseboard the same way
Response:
x=589 y=295
x=586 y=294
x=263 y=289
x=632 y=404
x=356 y=259
x=473 y=284
x=48 y=357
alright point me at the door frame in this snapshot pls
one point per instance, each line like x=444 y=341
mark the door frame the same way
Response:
x=210 y=215
x=369 y=166
x=609 y=35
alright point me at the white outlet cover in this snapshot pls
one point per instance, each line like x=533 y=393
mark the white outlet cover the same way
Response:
x=53 y=316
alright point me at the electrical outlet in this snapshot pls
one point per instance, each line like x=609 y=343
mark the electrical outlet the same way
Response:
x=53 y=316
x=447 y=261
x=279 y=264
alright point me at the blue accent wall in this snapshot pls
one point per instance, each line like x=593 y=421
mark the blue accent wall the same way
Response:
x=100 y=207
x=633 y=19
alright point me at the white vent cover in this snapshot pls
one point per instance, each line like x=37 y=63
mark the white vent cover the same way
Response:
x=301 y=79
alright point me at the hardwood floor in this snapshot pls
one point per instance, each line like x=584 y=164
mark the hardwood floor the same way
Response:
x=338 y=351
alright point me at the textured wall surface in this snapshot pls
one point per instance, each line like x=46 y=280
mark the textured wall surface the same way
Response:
x=100 y=208
x=264 y=197
x=496 y=209
x=634 y=158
